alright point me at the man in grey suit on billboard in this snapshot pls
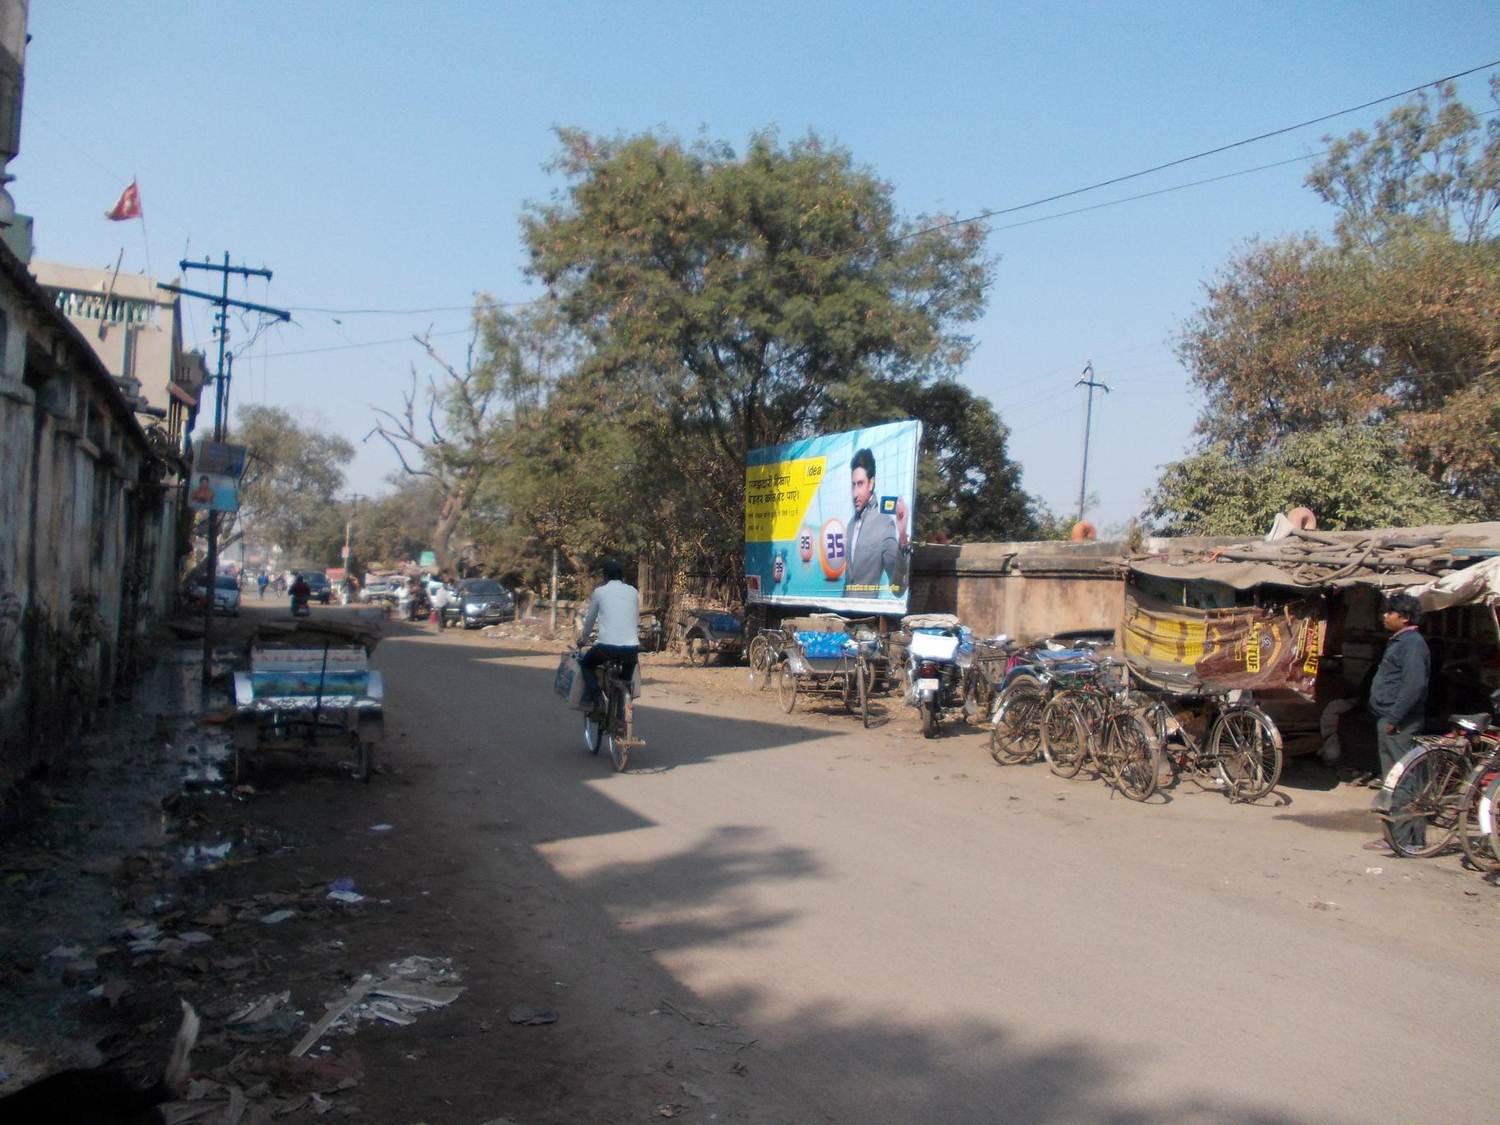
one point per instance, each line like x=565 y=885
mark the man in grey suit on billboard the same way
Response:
x=877 y=542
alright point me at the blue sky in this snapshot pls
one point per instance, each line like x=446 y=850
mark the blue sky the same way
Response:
x=378 y=156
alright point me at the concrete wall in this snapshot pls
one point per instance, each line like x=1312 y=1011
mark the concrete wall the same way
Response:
x=80 y=518
x=1026 y=590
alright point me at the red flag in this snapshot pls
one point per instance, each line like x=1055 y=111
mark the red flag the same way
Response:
x=129 y=206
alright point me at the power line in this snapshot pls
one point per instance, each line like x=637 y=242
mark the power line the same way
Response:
x=366 y=344
x=985 y=215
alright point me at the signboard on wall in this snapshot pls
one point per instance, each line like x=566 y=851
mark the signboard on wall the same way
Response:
x=828 y=519
x=215 y=483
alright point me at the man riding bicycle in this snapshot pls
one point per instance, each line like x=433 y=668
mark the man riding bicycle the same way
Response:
x=616 y=608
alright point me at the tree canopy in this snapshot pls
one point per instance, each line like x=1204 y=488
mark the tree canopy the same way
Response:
x=1352 y=477
x=721 y=303
x=1393 y=323
x=292 y=475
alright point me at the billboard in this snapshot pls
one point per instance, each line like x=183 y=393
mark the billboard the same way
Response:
x=828 y=520
x=217 y=469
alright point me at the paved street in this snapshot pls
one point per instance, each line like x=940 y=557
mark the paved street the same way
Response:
x=909 y=933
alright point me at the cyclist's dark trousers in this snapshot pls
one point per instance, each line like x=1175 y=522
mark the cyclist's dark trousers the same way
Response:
x=625 y=654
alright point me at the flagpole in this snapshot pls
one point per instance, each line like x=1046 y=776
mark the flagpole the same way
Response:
x=145 y=239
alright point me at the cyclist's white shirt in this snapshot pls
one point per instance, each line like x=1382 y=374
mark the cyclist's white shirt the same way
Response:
x=616 y=608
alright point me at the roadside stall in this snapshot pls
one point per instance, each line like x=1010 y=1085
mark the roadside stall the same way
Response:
x=1295 y=622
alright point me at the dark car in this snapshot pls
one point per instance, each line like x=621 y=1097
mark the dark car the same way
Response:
x=317 y=582
x=479 y=601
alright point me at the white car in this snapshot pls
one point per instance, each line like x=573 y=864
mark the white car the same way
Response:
x=226 y=594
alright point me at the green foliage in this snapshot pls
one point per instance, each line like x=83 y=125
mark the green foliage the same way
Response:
x=968 y=490
x=1353 y=477
x=292 y=474
x=397 y=527
x=723 y=303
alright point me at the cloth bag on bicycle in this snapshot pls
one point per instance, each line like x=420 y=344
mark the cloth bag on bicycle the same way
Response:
x=568 y=682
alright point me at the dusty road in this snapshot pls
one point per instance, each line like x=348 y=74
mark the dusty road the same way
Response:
x=907 y=932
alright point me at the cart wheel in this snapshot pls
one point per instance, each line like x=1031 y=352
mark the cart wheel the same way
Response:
x=364 y=761
x=865 y=674
x=786 y=687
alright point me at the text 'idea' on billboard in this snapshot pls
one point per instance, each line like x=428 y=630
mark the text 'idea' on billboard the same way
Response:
x=828 y=520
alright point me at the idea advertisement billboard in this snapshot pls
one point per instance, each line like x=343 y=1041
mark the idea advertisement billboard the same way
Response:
x=828 y=520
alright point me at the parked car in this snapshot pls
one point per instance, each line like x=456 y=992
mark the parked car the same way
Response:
x=479 y=601
x=317 y=581
x=381 y=588
x=226 y=594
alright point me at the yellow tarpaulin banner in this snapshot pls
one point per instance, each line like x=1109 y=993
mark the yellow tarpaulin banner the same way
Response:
x=777 y=497
x=1265 y=648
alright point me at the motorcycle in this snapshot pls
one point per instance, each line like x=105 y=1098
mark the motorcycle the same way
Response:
x=937 y=661
x=300 y=607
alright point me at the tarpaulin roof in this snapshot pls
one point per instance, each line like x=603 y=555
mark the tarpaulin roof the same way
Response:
x=1308 y=560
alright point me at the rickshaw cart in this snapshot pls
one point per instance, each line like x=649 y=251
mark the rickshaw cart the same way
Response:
x=828 y=664
x=299 y=695
x=710 y=632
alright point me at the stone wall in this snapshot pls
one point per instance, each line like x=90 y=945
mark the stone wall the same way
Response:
x=1025 y=590
x=80 y=518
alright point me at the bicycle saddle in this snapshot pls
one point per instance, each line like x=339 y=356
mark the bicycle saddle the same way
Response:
x=1478 y=724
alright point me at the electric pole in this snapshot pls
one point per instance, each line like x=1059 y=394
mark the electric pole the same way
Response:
x=223 y=303
x=1087 y=380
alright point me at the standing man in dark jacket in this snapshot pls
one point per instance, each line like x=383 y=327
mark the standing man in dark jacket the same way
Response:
x=1398 y=694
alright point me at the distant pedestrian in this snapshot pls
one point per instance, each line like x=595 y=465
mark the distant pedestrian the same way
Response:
x=440 y=598
x=261 y=582
x=1398 y=695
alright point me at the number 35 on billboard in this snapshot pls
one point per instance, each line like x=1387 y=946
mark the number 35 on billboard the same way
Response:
x=831 y=550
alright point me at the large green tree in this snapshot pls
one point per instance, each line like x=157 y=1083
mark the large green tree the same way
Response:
x=1395 y=321
x=723 y=302
x=293 y=475
x=1352 y=477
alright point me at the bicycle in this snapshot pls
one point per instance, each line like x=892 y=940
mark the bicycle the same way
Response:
x=1425 y=799
x=1100 y=720
x=612 y=725
x=1241 y=748
x=767 y=648
x=1031 y=681
x=1478 y=824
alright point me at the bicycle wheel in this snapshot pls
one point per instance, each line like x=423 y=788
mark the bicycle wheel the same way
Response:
x=1423 y=815
x=1246 y=749
x=1134 y=755
x=786 y=687
x=1064 y=741
x=1476 y=815
x=1490 y=810
x=1016 y=735
x=759 y=657
x=616 y=730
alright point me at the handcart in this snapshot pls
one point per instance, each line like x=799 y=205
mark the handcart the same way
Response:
x=829 y=664
x=307 y=689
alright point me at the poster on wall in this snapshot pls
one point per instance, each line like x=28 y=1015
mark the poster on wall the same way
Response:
x=828 y=520
x=215 y=483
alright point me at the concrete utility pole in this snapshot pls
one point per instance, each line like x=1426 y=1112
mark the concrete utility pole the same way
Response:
x=221 y=409
x=1087 y=380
